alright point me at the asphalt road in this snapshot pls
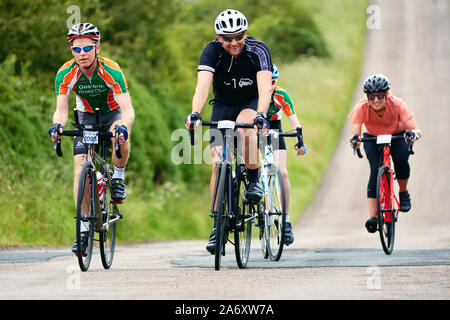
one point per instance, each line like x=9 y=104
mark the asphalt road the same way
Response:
x=333 y=257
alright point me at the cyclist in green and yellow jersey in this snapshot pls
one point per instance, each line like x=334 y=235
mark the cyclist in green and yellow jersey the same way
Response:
x=282 y=103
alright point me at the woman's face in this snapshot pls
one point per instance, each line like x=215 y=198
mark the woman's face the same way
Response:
x=377 y=100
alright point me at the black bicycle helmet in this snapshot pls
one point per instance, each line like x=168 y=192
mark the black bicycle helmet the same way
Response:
x=376 y=83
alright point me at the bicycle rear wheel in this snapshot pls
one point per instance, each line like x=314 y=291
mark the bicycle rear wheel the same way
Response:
x=108 y=234
x=243 y=229
x=385 y=210
x=275 y=214
x=85 y=216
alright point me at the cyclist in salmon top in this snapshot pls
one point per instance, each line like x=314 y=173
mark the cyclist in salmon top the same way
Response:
x=384 y=113
x=97 y=82
x=282 y=103
x=240 y=68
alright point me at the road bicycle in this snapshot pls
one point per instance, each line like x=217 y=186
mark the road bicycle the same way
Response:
x=272 y=209
x=230 y=209
x=95 y=211
x=386 y=198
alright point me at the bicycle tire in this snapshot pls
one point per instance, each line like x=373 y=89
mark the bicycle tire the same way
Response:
x=262 y=233
x=219 y=218
x=385 y=210
x=275 y=214
x=243 y=224
x=108 y=237
x=85 y=202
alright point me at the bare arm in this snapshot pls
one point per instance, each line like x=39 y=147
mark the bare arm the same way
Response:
x=294 y=121
x=264 y=79
x=411 y=125
x=61 y=114
x=357 y=129
x=124 y=101
x=295 y=124
x=204 y=82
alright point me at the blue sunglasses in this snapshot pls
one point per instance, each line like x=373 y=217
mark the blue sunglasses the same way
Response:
x=85 y=48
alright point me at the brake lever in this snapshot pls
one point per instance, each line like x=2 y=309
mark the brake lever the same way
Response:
x=117 y=145
x=57 y=143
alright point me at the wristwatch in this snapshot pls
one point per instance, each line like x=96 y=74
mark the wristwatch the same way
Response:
x=263 y=114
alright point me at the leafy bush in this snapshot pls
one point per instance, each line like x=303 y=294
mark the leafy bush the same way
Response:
x=157 y=44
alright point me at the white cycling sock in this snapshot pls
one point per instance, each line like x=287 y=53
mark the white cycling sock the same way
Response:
x=287 y=219
x=118 y=173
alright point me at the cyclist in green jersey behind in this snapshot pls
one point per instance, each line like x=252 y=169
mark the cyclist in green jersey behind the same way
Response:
x=97 y=82
x=282 y=103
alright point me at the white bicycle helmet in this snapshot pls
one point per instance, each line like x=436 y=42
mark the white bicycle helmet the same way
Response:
x=230 y=22
x=83 y=30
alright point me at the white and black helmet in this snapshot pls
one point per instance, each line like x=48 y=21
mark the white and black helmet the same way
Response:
x=230 y=21
x=376 y=83
x=86 y=30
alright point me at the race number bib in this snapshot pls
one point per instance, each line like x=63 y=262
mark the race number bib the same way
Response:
x=384 y=138
x=90 y=137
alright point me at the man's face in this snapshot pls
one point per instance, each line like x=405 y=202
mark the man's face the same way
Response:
x=233 y=43
x=83 y=58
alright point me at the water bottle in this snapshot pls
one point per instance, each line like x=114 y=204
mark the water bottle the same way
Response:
x=101 y=187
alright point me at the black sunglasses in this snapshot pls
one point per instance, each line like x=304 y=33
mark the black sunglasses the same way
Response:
x=380 y=96
x=231 y=38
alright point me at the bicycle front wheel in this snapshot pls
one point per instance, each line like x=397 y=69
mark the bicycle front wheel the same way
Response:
x=243 y=229
x=85 y=216
x=222 y=211
x=385 y=210
x=275 y=214
x=107 y=236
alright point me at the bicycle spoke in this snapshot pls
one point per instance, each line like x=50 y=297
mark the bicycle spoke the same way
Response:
x=275 y=216
x=243 y=230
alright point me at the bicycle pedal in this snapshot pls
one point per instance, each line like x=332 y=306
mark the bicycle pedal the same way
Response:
x=83 y=255
x=116 y=201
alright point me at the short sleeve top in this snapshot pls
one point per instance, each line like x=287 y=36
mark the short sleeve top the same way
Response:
x=388 y=123
x=234 y=80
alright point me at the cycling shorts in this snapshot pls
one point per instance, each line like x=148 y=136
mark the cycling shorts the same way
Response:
x=79 y=147
x=222 y=111
x=278 y=143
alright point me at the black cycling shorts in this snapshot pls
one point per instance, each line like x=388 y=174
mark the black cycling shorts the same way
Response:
x=79 y=147
x=221 y=111
x=278 y=143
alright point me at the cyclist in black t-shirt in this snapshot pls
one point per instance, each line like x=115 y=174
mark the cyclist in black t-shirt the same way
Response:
x=240 y=69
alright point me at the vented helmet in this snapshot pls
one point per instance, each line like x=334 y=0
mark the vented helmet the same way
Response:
x=376 y=83
x=86 y=30
x=230 y=22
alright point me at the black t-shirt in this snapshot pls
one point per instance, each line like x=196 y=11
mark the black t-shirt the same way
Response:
x=234 y=80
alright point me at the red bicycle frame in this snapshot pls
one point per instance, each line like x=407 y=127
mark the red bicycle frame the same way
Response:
x=391 y=198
